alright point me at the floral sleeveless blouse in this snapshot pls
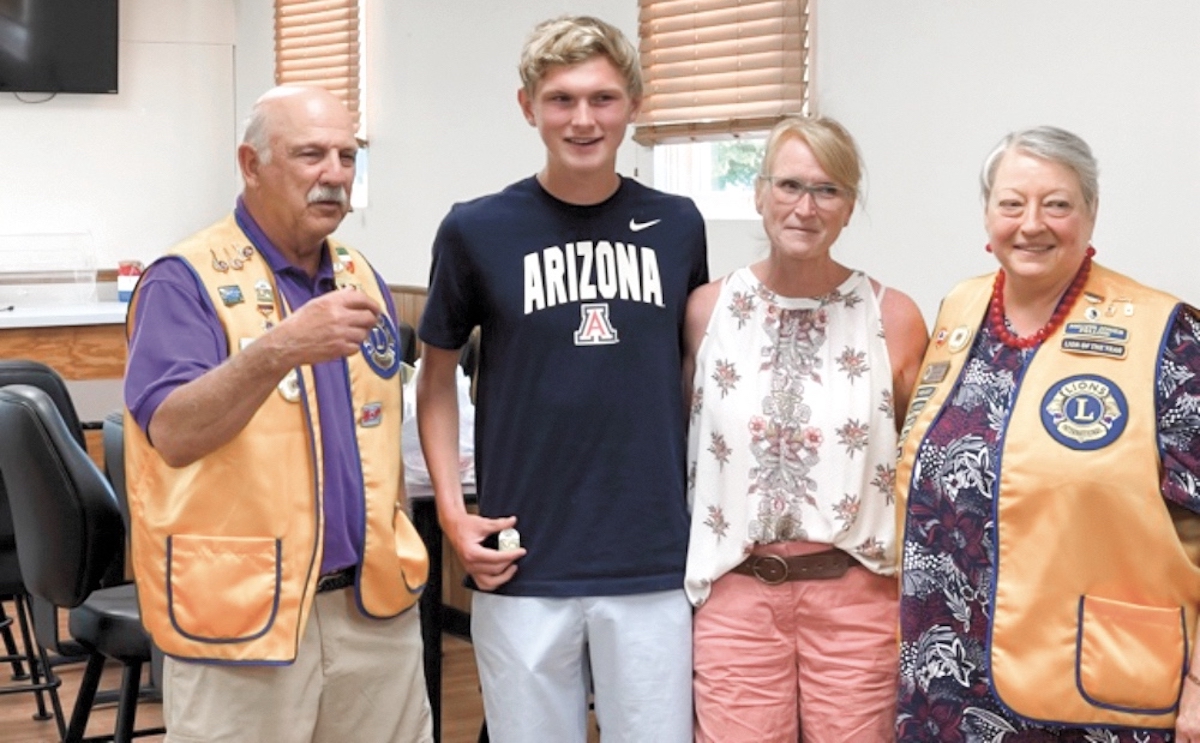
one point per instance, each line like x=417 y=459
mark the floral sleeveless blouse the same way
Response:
x=792 y=433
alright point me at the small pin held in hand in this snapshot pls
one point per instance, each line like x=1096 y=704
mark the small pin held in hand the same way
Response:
x=508 y=540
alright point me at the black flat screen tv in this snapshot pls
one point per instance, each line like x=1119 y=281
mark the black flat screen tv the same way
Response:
x=58 y=46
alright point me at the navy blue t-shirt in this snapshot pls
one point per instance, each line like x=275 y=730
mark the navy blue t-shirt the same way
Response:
x=579 y=417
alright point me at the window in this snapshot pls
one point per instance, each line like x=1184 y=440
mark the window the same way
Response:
x=719 y=74
x=718 y=176
x=318 y=42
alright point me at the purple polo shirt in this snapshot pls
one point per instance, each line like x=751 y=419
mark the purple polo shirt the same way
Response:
x=178 y=338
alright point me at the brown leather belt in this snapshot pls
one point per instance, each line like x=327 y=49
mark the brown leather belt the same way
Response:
x=343 y=578
x=775 y=569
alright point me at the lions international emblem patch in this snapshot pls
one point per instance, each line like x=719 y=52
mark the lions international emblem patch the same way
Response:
x=1085 y=412
x=381 y=348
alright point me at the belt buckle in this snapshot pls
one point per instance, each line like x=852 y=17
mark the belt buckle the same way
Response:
x=335 y=581
x=770 y=569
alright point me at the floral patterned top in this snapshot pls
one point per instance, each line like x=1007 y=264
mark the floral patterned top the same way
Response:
x=950 y=539
x=792 y=432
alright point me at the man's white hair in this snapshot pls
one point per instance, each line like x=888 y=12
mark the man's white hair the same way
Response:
x=258 y=133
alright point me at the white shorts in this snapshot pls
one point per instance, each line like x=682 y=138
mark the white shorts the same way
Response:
x=538 y=658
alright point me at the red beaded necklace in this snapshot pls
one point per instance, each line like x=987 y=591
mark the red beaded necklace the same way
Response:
x=996 y=312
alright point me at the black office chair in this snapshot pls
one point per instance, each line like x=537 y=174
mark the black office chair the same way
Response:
x=30 y=666
x=41 y=679
x=408 y=342
x=113 y=433
x=69 y=531
x=113 y=436
x=11 y=655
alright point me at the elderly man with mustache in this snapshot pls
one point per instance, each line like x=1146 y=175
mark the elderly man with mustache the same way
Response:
x=275 y=563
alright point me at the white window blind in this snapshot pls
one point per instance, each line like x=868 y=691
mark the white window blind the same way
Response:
x=713 y=68
x=316 y=43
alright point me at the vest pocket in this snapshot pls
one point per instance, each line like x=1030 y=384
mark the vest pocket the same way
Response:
x=1130 y=657
x=411 y=553
x=222 y=589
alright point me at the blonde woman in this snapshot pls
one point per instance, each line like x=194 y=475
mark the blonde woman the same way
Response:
x=798 y=365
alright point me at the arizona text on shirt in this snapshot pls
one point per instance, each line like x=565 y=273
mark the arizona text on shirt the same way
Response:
x=584 y=271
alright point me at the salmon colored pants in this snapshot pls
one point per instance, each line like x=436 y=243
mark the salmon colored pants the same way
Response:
x=812 y=660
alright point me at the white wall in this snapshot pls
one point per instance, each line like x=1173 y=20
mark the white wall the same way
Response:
x=928 y=87
x=445 y=125
x=443 y=120
x=442 y=114
x=143 y=168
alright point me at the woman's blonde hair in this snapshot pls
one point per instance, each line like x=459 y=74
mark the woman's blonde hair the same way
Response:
x=830 y=143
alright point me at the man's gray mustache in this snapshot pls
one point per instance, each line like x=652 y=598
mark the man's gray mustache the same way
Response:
x=329 y=193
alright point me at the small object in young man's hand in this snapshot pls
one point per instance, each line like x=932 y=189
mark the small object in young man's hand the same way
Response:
x=508 y=540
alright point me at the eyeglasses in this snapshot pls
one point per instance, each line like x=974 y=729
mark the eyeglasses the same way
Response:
x=791 y=190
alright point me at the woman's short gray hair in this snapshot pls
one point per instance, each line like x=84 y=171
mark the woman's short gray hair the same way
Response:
x=1053 y=144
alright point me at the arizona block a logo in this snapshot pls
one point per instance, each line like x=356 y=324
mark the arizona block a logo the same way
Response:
x=594 y=326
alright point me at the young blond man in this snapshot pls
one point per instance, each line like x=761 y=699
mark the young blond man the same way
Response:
x=578 y=279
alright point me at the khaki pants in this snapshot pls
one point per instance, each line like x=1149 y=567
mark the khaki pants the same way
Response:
x=354 y=679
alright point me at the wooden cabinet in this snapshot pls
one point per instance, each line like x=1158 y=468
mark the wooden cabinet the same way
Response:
x=85 y=344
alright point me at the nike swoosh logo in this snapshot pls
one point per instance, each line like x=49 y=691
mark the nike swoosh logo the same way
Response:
x=636 y=226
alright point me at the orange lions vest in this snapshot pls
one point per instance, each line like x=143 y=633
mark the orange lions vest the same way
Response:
x=1095 y=601
x=226 y=551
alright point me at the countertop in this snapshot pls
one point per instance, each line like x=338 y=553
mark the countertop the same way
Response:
x=60 y=315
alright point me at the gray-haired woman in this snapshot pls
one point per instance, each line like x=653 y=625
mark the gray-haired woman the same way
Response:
x=1049 y=476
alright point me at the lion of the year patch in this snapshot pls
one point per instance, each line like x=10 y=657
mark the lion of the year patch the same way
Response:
x=1084 y=412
